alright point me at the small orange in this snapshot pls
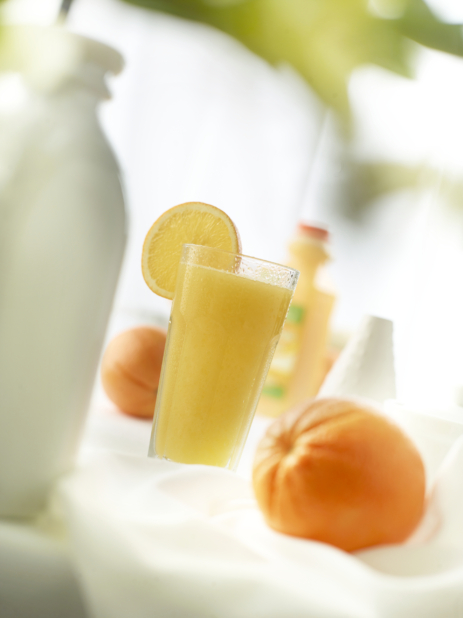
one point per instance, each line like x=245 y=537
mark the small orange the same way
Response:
x=131 y=368
x=334 y=470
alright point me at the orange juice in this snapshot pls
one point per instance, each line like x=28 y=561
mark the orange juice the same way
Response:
x=224 y=328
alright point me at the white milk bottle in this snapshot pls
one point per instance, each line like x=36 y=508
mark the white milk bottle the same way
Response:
x=62 y=238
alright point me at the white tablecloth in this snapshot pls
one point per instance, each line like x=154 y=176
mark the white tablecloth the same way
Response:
x=139 y=537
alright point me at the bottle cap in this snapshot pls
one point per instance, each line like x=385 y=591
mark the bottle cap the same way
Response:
x=315 y=231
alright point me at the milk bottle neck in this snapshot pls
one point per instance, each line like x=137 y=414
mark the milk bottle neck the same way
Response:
x=54 y=62
x=87 y=82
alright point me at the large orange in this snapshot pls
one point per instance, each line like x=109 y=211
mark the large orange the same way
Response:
x=336 y=471
x=131 y=367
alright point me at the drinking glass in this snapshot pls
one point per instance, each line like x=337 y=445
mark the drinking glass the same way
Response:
x=226 y=319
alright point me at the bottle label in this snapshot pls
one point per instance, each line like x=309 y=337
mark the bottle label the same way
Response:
x=286 y=354
x=295 y=314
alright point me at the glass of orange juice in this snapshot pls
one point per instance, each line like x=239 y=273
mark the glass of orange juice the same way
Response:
x=226 y=319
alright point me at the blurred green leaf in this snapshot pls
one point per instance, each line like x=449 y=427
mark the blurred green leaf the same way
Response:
x=421 y=25
x=181 y=8
x=325 y=40
x=365 y=183
x=451 y=190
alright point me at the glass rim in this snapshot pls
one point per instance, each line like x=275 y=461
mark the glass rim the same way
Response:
x=241 y=255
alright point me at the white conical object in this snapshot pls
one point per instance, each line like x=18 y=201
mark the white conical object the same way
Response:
x=365 y=368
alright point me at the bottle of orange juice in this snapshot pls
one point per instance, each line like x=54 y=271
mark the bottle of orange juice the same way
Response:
x=299 y=363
